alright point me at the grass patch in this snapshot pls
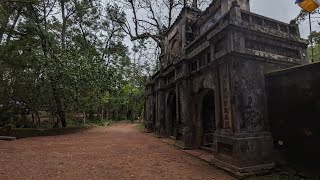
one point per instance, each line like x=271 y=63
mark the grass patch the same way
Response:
x=73 y=126
x=35 y=132
x=89 y=123
x=140 y=126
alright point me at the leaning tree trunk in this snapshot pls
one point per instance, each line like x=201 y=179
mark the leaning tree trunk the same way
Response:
x=91 y=115
x=61 y=111
x=84 y=118
x=102 y=114
x=107 y=112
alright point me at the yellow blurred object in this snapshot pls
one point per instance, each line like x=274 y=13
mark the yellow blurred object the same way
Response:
x=309 y=5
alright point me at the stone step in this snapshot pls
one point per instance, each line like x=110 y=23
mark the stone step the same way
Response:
x=7 y=138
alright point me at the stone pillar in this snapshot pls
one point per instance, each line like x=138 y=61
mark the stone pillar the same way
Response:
x=148 y=121
x=153 y=115
x=184 y=114
x=235 y=12
x=243 y=142
x=226 y=5
x=244 y=4
x=183 y=38
x=149 y=116
x=161 y=107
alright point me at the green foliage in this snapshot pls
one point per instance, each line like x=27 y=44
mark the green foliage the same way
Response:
x=316 y=47
x=91 y=123
x=66 y=57
x=303 y=16
x=316 y=53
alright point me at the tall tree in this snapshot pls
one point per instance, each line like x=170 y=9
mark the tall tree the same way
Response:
x=144 y=19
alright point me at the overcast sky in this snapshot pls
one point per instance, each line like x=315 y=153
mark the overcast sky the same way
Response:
x=283 y=10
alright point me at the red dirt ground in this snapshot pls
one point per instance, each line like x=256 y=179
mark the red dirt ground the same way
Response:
x=118 y=152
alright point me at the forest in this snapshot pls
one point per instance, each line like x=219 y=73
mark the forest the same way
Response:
x=67 y=60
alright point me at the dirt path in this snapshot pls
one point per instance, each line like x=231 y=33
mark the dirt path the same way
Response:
x=117 y=152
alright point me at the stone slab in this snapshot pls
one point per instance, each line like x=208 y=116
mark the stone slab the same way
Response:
x=7 y=138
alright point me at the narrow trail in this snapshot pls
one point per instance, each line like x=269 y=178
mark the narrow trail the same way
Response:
x=117 y=152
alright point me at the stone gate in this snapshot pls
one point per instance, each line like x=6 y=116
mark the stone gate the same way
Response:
x=210 y=91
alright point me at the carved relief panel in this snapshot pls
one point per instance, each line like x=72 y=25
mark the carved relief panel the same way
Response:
x=273 y=49
x=175 y=47
x=225 y=97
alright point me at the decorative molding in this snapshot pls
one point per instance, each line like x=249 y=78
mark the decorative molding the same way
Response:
x=272 y=49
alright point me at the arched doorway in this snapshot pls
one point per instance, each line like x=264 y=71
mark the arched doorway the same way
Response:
x=208 y=118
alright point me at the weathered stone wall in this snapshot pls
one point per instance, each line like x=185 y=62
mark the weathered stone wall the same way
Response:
x=183 y=106
x=170 y=101
x=149 y=120
x=294 y=111
x=161 y=107
x=248 y=95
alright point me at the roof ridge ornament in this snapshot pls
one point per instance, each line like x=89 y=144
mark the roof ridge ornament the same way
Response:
x=234 y=4
x=194 y=4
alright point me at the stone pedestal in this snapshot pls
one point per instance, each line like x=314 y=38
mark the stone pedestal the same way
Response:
x=243 y=153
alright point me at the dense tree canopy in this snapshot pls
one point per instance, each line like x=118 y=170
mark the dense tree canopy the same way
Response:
x=66 y=57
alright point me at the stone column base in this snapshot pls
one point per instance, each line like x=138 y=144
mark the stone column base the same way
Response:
x=181 y=145
x=244 y=153
x=244 y=171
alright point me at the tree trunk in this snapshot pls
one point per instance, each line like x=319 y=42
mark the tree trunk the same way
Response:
x=61 y=112
x=33 y=121
x=102 y=113
x=117 y=115
x=63 y=120
x=127 y=110
x=64 y=24
x=5 y=22
x=107 y=113
x=91 y=115
x=9 y=35
x=84 y=118
x=38 y=118
x=170 y=12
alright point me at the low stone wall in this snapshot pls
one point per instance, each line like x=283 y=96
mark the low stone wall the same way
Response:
x=32 y=132
x=294 y=113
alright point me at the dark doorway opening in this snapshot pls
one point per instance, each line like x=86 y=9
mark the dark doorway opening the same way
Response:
x=208 y=118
